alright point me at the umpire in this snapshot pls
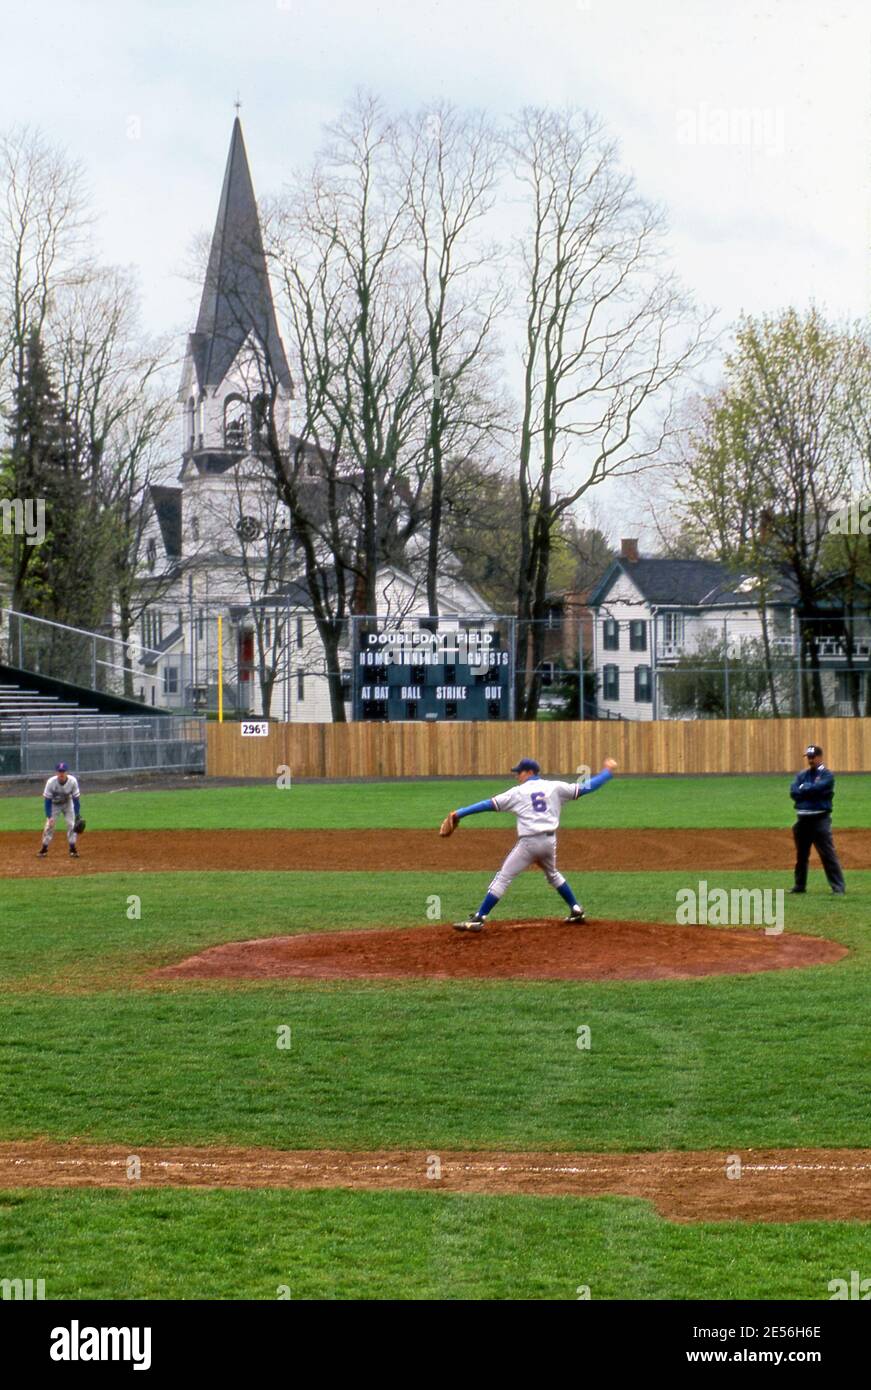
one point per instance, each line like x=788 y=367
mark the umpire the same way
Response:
x=813 y=791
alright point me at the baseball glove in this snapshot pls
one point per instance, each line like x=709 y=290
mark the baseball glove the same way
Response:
x=449 y=824
x=79 y=826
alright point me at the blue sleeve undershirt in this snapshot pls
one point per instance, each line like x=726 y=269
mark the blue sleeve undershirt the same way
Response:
x=595 y=782
x=473 y=810
x=47 y=804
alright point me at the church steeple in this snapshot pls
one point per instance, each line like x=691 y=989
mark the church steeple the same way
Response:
x=237 y=299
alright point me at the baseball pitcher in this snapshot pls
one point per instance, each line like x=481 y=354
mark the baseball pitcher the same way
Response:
x=61 y=798
x=537 y=804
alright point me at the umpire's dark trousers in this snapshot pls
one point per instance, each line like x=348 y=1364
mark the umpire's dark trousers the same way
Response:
x=816 y=831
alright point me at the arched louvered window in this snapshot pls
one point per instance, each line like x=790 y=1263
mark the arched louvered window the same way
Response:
x=235 y=423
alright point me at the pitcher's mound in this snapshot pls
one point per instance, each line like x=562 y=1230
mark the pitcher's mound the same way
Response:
x=536 y=950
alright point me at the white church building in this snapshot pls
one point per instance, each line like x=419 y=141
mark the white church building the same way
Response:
x=219 y=540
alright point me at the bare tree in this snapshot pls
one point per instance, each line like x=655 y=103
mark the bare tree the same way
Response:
x=607 y=335
x=448 y=164
x=44 y=220
x=344 y=263
x=117 y=410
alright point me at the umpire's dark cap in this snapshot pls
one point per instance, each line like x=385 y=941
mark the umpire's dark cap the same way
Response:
x=813 y=750
x=527 y=765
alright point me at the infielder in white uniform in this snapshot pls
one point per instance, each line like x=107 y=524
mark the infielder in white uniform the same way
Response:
x=61 y=798
x=537 y=805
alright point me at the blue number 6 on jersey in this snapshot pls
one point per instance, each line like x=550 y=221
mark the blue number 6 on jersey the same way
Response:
x=539 y=802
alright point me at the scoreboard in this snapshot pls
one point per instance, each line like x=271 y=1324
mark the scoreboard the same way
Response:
x=412 y=673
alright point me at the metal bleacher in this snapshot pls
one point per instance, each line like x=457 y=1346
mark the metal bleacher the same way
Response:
x=17 y=704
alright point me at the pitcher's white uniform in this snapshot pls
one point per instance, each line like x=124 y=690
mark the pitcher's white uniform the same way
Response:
x=537 y=805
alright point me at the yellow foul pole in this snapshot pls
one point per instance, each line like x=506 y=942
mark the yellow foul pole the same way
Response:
x=220 y=668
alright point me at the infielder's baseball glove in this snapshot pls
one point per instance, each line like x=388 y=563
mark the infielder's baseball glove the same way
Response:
x=449 y=824
x=79 y=826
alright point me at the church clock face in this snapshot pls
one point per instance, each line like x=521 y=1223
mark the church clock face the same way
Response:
x=248 y=528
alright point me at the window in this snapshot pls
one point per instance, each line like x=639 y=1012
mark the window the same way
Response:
x=248 y=528
x=299 y=632
x=672 y=629
x=611 y=635
x=195 y=529
x=151 y=553
x=170 y=680
x=546 y=668
x=235 y=423
x=643 y=693
x=152 y=628
x=201 y=625
x=611 y=683
x=300 y=685
x=638 y=635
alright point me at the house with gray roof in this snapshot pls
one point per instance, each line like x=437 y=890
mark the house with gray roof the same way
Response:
x=653 y=614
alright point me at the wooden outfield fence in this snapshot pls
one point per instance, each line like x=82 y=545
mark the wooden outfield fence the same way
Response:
x=476 y=750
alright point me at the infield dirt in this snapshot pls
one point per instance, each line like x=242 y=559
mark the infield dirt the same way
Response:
x=168 y=851
x=764 y=1185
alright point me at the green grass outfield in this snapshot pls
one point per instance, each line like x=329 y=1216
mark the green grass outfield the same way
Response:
x=664 y=802
x=730 y=1063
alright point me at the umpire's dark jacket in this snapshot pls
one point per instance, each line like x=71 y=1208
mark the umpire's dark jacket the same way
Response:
x=813 y=791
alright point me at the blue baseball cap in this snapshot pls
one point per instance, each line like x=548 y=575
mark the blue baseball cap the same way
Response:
x=527 y=765
x=61 y=767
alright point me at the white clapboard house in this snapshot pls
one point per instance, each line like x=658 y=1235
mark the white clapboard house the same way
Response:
x=651 y=612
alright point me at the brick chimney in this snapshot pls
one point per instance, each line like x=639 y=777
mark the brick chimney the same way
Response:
x=629 y=551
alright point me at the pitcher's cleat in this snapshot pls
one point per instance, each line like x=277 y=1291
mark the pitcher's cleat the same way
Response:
x=576 y=915
x=474 y=923
x=74 y=853
x=42 y=853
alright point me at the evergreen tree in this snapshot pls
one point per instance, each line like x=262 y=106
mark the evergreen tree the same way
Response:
x=37 y=460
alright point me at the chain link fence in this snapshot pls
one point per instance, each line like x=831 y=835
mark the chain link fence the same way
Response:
x=270 y=662
x=102 y=743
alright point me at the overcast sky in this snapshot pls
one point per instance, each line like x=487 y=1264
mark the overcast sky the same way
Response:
x=749 y=122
